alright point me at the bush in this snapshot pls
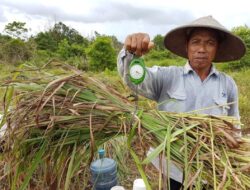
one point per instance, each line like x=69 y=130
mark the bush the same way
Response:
x=165 y=62
x=101 y=54
x=155 y=54
x=16 y=51
x=66 y=50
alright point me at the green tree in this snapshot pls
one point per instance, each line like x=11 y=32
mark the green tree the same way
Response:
x=117 y=45
x=66 y=50
x=159 y=42
x=115 y=42
x=77 y=50
x=16 y=29
x=60 y=31
x=159 y=52
x=51 y=39
x=45 y=41
x=101 y=54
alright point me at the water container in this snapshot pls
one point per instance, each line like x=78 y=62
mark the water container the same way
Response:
x=103 y=172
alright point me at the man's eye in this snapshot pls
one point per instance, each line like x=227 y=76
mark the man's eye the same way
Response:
x=213 y=43
x=194 y=42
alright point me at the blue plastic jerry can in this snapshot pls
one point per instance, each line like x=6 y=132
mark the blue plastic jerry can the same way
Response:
x=103 y=172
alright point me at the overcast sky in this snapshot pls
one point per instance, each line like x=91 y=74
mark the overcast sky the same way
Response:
x=120 y=18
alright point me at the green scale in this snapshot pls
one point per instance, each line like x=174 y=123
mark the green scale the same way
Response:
x=137 y=71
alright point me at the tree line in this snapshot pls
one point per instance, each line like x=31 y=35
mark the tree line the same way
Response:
x=60 y=41
x=95 y=53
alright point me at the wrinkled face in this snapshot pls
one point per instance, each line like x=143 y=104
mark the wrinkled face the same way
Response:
x=201 y=48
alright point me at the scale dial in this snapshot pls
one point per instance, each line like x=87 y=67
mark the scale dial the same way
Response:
x=137 y=71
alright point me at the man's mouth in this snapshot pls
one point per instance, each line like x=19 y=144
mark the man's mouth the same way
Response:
x=201 y=59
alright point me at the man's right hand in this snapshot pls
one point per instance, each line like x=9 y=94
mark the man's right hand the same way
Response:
x=138 y=43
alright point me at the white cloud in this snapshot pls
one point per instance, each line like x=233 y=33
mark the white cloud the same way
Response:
x=118 y=18
x=101 y=13
x=2 y=16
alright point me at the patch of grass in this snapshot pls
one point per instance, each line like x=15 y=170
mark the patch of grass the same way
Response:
x=242 y=80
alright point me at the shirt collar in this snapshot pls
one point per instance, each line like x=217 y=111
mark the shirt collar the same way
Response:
x=188 y=69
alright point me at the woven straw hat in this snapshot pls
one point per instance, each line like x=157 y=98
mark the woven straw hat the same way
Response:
x=230 y=48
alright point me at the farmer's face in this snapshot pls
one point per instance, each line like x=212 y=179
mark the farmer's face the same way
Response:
x=201 y=49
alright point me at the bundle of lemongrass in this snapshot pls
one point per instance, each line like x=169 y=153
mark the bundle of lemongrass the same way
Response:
x=54 y=130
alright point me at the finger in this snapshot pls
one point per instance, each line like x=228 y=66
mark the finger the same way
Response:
x=128 y=43
x=138 y=51
x=133 y=43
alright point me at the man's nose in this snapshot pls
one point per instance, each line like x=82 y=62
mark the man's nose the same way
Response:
x=202 y=48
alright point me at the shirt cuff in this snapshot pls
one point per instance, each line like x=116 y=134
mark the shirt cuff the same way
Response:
x=126 y=53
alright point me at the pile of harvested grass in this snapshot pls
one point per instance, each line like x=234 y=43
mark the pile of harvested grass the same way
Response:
x=55 y=129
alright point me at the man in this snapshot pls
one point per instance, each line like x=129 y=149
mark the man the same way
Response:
x=196 y=87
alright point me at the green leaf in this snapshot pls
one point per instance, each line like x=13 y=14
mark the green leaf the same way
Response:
x=70 y=169
x=154 y=153
x=140 y=169
x=34 y=164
